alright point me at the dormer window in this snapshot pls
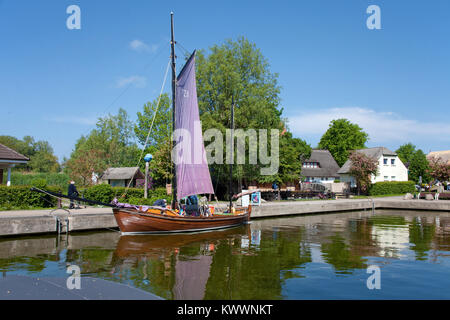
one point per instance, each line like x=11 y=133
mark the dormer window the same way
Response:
x=311 y=165
x=385 y=161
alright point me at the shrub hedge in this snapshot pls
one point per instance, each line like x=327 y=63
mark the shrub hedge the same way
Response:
x=392 y=187
x=21 y=197
x=105 y=193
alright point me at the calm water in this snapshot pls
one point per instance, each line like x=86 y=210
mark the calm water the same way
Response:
x=310 y=257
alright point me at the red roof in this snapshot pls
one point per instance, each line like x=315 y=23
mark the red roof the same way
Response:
x=9 y=154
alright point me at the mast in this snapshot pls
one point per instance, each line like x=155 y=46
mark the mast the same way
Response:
x=174 y=83
x=231 y=152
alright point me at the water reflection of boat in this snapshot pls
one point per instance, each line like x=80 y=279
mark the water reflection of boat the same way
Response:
x=189 y=272
x=130 y=245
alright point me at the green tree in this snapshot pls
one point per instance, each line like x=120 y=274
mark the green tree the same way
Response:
x=44 y=162
x=406 y=152
x=341 y=138
x=159 y=143
x=416 y=161
x=110 y=144
x=162 y=124
x=42 y=158
x=419 y=167
x=293 y=152
x=236 y=71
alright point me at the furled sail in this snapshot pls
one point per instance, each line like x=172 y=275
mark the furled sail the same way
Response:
x=189 y=153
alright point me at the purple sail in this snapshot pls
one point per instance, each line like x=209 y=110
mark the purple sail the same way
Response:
x=189 y=153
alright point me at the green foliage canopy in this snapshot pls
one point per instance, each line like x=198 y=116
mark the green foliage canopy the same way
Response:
x=416 y=161
x=341 y=138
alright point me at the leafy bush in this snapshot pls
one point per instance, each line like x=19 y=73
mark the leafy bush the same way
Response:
x=100 y=192
x=39 y=183
x=140 y=201
x=392 y=187
x=131 y=193
x=105 y=193
x=21 y=197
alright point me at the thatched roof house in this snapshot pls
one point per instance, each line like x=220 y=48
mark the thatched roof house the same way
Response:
x=444 y=155
x=320 y=167
x=120 y=177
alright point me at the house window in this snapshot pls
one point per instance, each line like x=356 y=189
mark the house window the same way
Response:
x=385 y=161
x=393 y=162
x=393 y=178
x=386 y=178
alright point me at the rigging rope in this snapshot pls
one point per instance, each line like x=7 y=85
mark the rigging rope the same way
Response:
x=150 y=63
x=151 y=126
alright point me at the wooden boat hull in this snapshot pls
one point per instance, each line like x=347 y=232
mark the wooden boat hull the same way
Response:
x=131 y=221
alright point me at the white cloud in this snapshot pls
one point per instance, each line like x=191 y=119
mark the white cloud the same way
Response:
x=71 y=119
x=383 y=127
x=137 y=81
x=140 y=46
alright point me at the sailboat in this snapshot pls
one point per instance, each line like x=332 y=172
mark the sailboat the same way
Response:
x=189 y=179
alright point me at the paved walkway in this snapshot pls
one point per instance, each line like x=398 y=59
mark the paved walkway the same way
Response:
x=48 y=212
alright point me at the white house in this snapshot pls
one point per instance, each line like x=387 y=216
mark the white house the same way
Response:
x=390 y=167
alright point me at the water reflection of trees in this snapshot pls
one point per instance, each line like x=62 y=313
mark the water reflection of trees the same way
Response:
x=261 y=271
x=421 y=235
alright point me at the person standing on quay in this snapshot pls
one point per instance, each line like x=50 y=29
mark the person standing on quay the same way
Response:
x=72 y=193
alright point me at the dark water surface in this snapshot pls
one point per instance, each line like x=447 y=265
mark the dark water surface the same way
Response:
x=308 y=257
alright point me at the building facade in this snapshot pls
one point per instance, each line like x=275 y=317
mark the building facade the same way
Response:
x=320 y=167
x=390 y=167
x=120 y=177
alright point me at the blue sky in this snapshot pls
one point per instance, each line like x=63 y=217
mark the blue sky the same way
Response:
x=393 y=82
